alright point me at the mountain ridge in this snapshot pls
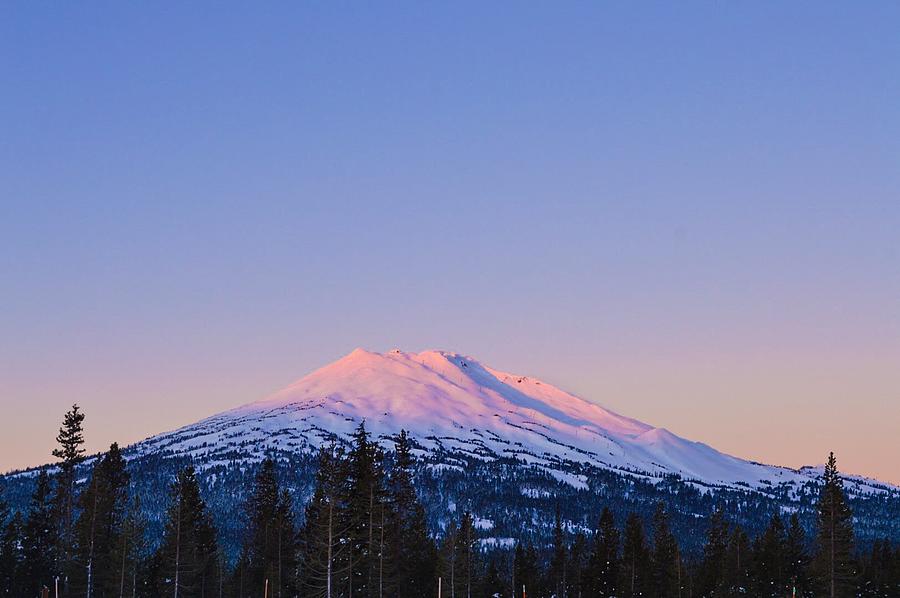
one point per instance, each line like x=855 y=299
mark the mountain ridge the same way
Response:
x=452 y=401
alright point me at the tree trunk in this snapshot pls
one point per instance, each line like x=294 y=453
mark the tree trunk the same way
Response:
x=177 y=546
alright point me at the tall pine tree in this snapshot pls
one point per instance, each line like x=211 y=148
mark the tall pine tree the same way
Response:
x=39 y=540
x=102 y=509
x=736 y=579
x=833 y=562
x=578 y=556
x=364 y=498
x=269 y=546
x=10 y=550
x=635 y=575
x=603 y=565
x=796 y=558
x=323 y=545
x=412 y=553
x=665 y=557
x=712 y=567
x=186 y=563
x=466 y=555
x=130 y=553
x=70 y=452
x=770 y=560
x=560 y=557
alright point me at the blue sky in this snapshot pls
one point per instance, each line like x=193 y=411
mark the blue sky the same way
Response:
x=670 y=209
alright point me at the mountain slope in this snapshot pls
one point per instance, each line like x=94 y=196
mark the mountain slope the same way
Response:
x=507 y=448
x=451 y=403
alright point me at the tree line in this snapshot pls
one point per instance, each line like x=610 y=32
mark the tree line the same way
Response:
x=364 y=534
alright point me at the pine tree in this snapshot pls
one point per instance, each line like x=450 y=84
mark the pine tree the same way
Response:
x=737 y=563
x=492 y=587
x=526 y=573
x=770 y=560
x=70 y=453
x=796 y=559
x=635 y=576
x=412 y=554
x=10 y=550
x=877 y=576
x=833 y=563
x=102 y=508
x=130 y=553
x=322 y=538
x=603 y=564
x=465 y=557
x=712 y=568
x=38 y=540
x=364 y=497
x=186 y=561
x=449 y=554
x=576 y=567
x=665 y=557
x=269 y=542
x=560 y=557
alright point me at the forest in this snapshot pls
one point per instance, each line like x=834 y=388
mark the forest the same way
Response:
x=364 y=533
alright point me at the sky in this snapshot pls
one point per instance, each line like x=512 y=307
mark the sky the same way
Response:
x=686 y=212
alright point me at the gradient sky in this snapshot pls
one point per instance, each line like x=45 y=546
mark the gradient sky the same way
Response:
x=688 y=212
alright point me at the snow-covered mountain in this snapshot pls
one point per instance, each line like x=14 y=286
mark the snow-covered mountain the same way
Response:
x=452 y=404
x=508 y=448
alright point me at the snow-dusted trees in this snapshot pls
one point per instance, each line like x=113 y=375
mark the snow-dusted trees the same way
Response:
x=10 y=549
x=39 y=538
x=560 y=557
x=365 y=533
x=186 y=563
x=322 y=545
x=602 y=575
x=410 y=552
x=666 y=560
x=635 y=574
x=268 y=553
x=102 y=507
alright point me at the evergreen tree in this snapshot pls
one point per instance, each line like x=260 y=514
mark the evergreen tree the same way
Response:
x=465 y=557
x=364 y=497
x=412 y=553
x=603 y=565
x=665 y=557
x=560 y=557
x=102 y=508
x=712 y=569
x=576 y=567
x=737 y=563
x=129 y=553
x=185 y=565
x=492 y=587
x=796 y=559
x=878 y=578
x=636 y=575
x=269 y=546
x=322 y=539
x=38 y=540
x=10 y=550
x=526 y=572
x=833 y=563
x=449 y=556
x=770 y=560
x=70 y=453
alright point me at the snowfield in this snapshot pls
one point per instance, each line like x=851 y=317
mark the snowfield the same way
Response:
x=452 y=403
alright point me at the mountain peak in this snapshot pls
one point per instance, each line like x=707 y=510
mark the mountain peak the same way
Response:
x=451 y=403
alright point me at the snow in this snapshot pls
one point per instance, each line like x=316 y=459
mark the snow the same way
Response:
x=450 y=401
